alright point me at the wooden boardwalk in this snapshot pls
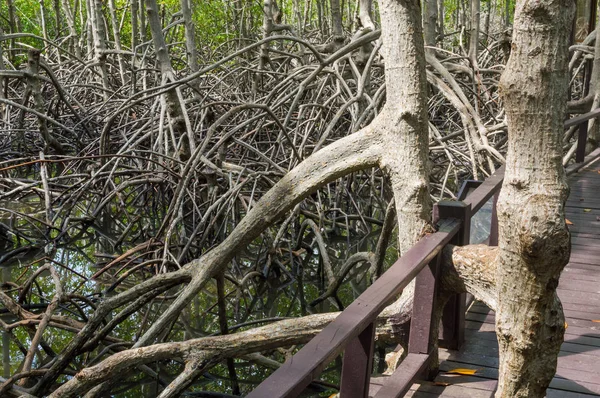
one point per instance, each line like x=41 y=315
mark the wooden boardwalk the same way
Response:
x=578 y=373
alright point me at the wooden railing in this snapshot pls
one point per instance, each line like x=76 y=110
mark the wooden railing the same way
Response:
x=353 y=331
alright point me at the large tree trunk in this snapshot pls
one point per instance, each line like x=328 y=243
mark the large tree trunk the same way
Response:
x=534 y=241
x=404 y=118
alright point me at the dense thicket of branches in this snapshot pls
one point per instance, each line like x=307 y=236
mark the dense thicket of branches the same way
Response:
x=133 y=143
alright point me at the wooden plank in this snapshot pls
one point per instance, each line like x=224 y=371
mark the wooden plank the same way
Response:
x=452 y=391
x=568 y=366
x=582 y=118
x=358 y=364
x=582 y=266
x=577 y=328
x=401 y=380
x=572 y=343
x=579 y=285
x=557 y=383
x=574 y=168
x=419 y=339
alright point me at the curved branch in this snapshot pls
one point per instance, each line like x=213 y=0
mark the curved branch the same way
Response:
x=352 y=153
x=203 y=352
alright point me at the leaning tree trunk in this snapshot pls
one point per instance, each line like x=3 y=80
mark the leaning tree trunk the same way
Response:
x=534 y=241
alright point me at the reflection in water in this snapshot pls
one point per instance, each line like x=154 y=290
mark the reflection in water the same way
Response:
x=102 y=245
x=281 y=287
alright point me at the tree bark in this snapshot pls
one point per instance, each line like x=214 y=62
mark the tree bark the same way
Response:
x=534 y=242
x=336 y=24
x=404 y=118
x=73 y=46
x=365 y=14
x=174 y=101
x=114 y=22
x=190 y=37
x=33 y=80
x=474 y=36
x=430 y=15
x=99 y=42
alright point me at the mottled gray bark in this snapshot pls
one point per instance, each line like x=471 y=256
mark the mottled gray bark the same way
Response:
x=190 y=35
x=404 y=118
x=430 y=25
x=114 y=22
x=474 y=36
x=534 y=242
x=365 y=14
x=72 y=39
x=99 y=42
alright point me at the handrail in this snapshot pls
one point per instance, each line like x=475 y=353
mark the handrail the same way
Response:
x=582 y=118
x=295 y=375
x=485 y=191
x=582 y=135
x=352 y=332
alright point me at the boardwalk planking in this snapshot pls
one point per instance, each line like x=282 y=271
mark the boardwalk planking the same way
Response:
x=578 y=371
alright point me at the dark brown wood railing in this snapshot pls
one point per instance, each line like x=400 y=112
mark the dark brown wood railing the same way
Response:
x=353 y=331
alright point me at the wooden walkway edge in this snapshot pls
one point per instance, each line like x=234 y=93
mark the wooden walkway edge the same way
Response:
x=578 y=373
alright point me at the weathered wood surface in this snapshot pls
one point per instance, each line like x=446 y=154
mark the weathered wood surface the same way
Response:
x=578 y=373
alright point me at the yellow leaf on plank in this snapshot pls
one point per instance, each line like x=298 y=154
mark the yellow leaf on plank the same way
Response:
x=462 y=371
x=568 y=222
x=596 y=320
x=587 y=210
x=566 y=325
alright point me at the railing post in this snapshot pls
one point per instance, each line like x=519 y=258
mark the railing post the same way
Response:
x=358 y=364
x=581 y=142
x=419 y=339
x=493 y=239
x=452 y=334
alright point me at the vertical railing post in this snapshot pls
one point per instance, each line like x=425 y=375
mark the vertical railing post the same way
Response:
x=358 y=364
x=452 y=334
x=493 y=239
x=581 y=142
x=419 y=339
